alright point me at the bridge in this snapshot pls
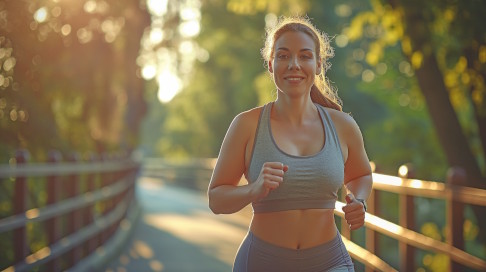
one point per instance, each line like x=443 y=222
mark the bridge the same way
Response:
x=116 y=213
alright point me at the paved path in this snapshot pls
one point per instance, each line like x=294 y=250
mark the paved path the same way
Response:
x=178 y=232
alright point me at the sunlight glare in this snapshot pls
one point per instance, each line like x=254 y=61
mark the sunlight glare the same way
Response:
x=156 y=35
x=189 y=28
x=157 y=7
x=416 y=183
x=389 y=180
x=403 y=170
x=149 y=71
x=41 y=15
x=190 y=13
x=143 y=249
x=169 y=86
x=90 y=6
x=186 y=47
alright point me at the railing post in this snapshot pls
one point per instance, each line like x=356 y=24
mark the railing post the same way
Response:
x=89 y=214
x=53 y=225
x=74 y=218
x=407 y=220
x=371 y=237
x=107 y=204
x=21 y=249
x=456 y=176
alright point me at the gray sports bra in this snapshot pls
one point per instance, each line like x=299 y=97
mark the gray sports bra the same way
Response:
x=312 y=182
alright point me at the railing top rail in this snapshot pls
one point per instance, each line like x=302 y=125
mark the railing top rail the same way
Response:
x=64 y=168
x=207 y=163
x=416 y=239
x=366 y=257
x=431 y=189
x=64 y=206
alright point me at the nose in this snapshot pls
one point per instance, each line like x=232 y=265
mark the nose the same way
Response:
x=294 y=64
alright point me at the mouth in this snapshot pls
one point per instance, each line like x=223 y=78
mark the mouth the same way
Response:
x=294 y=78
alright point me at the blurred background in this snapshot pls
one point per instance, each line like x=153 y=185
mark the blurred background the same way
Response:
x=164 y=79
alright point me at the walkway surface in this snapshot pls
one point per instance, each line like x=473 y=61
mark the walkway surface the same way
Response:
x=177 y=232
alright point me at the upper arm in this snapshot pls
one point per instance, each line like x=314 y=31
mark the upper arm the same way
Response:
x=356 y=164
x=230 y=165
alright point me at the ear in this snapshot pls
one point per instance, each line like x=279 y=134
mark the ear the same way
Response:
x=270 y=68
x=319 y=67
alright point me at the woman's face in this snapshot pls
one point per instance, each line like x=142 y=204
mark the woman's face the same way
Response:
x=294 y=64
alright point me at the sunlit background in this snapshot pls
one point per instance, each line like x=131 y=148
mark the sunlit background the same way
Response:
x=164 y=79
x=171 y=68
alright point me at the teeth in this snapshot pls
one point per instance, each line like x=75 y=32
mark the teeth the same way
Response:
x=294 y=78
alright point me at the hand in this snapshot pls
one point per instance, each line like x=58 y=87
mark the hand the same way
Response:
x=270 y=178
x=354 y=212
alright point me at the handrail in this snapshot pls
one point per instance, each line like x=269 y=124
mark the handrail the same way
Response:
x=430 y=189
x=46 y=254
x=65 y=206
x=109 y=183
x=366 y=257
x=416 y=239
x=63 y=169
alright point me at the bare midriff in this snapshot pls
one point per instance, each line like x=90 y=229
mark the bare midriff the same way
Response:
x=295 y=229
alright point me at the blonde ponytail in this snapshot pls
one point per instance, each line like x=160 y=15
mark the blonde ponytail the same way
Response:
x=318 y=97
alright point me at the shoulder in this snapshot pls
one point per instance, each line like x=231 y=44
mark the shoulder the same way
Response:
x=244 y=124
x=345 y=125
x=249 y=115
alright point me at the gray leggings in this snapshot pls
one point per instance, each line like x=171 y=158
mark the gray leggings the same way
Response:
x=256 y=255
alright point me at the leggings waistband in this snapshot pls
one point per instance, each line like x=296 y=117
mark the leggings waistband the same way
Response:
x=290 y=253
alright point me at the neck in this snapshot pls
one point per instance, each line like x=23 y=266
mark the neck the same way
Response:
x=294 y=111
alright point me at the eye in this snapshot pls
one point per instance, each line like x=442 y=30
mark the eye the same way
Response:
x=306 y=57
x=282 y=56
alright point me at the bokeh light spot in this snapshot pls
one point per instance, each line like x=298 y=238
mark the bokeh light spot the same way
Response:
x=41 y=15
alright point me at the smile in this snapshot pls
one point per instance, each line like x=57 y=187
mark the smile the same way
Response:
x=294 y=79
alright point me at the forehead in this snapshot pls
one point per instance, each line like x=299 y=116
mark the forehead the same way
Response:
x=295 y=40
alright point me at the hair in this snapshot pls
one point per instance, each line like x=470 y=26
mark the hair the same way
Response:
x=322 y=92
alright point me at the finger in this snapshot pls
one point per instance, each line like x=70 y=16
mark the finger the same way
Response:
x=275 y=172
x=271 y=184
x=353 y=207
x=355 y=221
x=276 y=165
x=273 y=178
x=355 y=226
x=354 y=214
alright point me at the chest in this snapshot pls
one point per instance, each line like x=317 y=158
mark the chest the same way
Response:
x=302 y=140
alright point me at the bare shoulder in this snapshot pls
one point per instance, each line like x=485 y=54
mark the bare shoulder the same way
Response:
x=344 y=123
x=249 y=117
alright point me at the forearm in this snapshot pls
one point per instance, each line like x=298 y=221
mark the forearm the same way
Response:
x=226 y=199
x=360 y=187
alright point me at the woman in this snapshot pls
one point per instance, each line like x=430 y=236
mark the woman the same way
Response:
x=296 y=153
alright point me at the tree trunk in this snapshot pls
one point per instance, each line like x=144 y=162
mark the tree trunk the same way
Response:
x=444 y=118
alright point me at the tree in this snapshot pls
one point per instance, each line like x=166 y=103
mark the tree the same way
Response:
x=444 y=42
x=70 y=75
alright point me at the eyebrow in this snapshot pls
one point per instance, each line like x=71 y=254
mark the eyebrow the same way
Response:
x=286 y=49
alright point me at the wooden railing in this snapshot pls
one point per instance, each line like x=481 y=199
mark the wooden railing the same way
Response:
x=407 y=189
x=196 y=173
x=62 y=213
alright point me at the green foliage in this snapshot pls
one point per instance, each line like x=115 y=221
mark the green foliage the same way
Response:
x=404 y=133
x=220 y=88
x=70 y=83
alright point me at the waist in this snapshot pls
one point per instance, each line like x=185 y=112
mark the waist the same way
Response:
x=295 y=229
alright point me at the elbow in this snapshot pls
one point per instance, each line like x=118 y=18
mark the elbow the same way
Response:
x=214 y=207
x=212 y=204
